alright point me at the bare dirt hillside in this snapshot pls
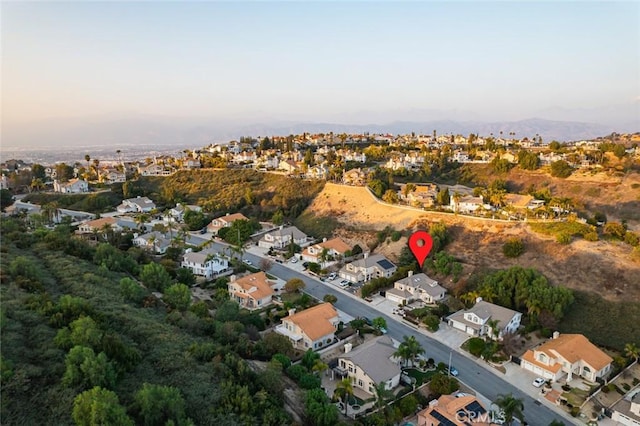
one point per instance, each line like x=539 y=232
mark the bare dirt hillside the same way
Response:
x=602 y=267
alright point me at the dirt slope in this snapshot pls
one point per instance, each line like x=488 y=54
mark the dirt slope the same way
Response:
x=603 y=267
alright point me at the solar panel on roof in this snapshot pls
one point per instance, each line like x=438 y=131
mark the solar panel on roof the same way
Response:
x=384 y=263
x=475 y=407
x=443 y=420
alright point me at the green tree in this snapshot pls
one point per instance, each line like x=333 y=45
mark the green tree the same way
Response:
x=561 y=169
x=377 y=187
x=160 y=405
x=379 y=323
x=155 y=277
x=390 y=196
x=85 y=368
x=409 y=349
x=344 y=390
x=99 y=407
x=631 y=351
x=512 y=407
x=6 y=199
x=178 y=296
x=132 y=290
x=194 y=220
x=442 y=384
x=382 y=394
x=330 y=298
x=514 y=247
x=528 y=160
x=185 y=276
x=319 y=410
x=443 y=198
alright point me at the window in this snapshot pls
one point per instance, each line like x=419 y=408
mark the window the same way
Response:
x=360 y=383
x=350 y=369
x=586 y=369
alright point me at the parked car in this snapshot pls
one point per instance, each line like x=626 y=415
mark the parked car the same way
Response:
x=344 y=283
x=452 y=370
x=294 y=260
x=332 y=276
x=538 y=382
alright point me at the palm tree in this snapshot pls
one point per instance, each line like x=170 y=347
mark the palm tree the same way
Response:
x=632 y=351
x=344 y=390
x=512 y=407
x=319 y=367
x=409 y=349
x=493 y=328
x=382 y=394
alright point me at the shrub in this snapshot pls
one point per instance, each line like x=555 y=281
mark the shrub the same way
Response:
x=631 y=239
x=396 y=235
x=514 y=247
x=591 y=236
x=563 y=238
x=432 y=322
x=561 y=169
x=476 y=346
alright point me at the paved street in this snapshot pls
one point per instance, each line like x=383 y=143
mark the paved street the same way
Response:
x=478 y=376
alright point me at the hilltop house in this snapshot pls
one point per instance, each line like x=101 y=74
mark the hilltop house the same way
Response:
x=312 y=328
x=370 y=364
x=332 y=249
x=111 y=175
x=154 y=170
x=99 y=226
x=176 y=213
x=416 y=287
x=206 y=263
x=224 y=222
x=356 y=177
x=456 y=410
x=477 y=320
x=372 y=266
x=252 y=291
x=467 y=203
x=567 y=354
x=282 y=237
x=73 y=186
x=136 y=205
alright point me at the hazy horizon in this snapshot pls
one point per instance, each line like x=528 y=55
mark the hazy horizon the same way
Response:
x=145 y=72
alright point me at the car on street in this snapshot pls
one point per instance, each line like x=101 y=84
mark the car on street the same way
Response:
x=539 y=381
x=452 y=370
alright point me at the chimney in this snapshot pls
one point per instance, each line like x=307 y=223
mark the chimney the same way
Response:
x=478 y=299
x=324 y=240
x=410 y=274
x=556 y=334
x=347 y=347
x=227 y=214
x=292 y=311
x=281 y=227
x=232 y=278
x=366 y=255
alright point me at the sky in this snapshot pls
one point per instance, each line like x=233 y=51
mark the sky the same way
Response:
x=319 y=61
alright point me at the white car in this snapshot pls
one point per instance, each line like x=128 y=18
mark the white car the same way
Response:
x=539 y=382
x=294 y=260
x=332 y=276
x=344 y=283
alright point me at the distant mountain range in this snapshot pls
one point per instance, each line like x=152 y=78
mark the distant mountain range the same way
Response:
x=152 y=130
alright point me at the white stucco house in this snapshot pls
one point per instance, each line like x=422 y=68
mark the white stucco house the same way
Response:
x=371 y=266
x=476 y=321
x=206 y=263
x=416 y=287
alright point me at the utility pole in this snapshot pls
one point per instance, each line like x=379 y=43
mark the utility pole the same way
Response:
x=449 y=369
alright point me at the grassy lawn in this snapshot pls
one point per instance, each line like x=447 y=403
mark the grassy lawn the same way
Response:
x=576 y=396
x=419 y=375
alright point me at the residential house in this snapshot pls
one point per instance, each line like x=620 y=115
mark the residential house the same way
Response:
x=518 y=201
x=333 y=248
x=224 y=222
x=317 y=172
x=206 y=263
x=156 y=242
x=289 y=166
x=313 y=328
x=453 y=410
x=372 y=266
x=282 y=237
x=370 y=364
x=176 y=214
x=253 y=291
x=136 y=205
x=570 y=355
x=111 y=175
x=99 y=225
x=627 y=411
x=416 y=287
x=424 y=195
x=477 y=320
x=4 y=182
x=466 y=203
x=356 y=177
x=73 y=186
x=154 y=170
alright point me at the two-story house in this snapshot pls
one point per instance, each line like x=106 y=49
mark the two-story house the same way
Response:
x=477 y=320
x=356 y=177
x=370 y=364
x=176 y=214
x=326 y=251
x=252 y=291
x=73 y=186
x=282 y=237
x=416 y=287
x=155 y=242
x=99 y=226
x=112 y=175
x=313 y=328
x=626 y=412
x=570 y=355
x=206 y=263
x=371 y=266
x=136 y=205
x=467 y=204
x=224 y=222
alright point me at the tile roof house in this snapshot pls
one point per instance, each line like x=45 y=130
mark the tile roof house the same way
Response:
x=370 y=364
x=372 y=266
x=206 y=263
x=252 y=291
x=467 y=203
x=312 y=328
x=136 y=205
x=449 y=410
x=334 y=247
x=73 y=186
x=356 y=177
x=570 y=354
x=224 y=222
x=99 y=225
x=416 y=287
x=475 y=321
x=282 y=237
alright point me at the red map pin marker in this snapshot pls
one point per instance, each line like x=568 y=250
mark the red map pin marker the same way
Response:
x=420 y=243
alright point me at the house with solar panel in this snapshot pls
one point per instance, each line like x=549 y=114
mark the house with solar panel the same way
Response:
x=371 y=266
x=457 y=410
